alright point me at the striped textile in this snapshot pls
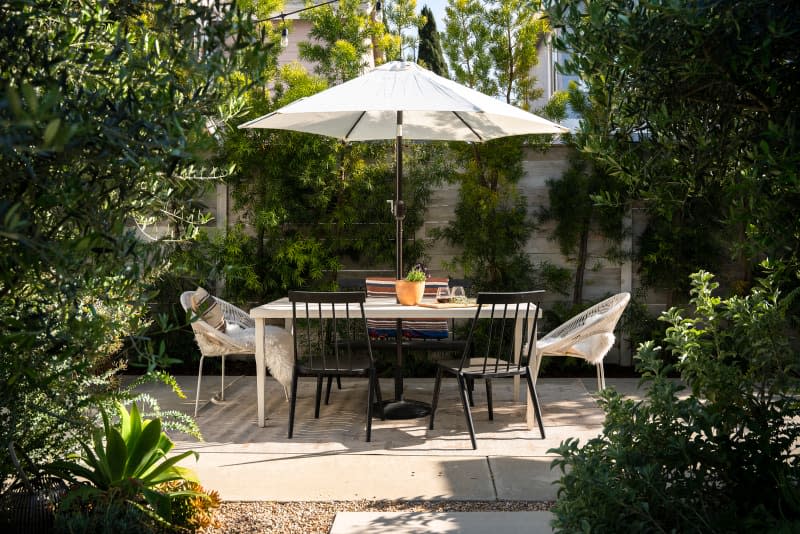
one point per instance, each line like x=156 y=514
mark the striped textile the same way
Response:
x=383 y=287
x=207 y=308
x=380 y=287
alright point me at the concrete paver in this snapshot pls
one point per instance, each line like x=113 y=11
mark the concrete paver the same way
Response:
x=523 y=479
x=328 y=458
x=441 y=522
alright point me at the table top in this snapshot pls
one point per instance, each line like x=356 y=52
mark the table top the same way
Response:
x=375 y=308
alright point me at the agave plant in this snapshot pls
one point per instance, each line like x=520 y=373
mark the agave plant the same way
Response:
x=128 y=461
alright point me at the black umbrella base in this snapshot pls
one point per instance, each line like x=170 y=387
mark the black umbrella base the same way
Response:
x=403 y=409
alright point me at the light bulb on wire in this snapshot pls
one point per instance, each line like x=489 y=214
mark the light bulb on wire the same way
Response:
x=284 y=37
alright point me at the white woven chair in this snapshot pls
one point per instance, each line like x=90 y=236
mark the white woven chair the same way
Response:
x=239 y=339
x=589 y=335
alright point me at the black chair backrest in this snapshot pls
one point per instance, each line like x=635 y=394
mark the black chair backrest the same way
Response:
x=491 y=337
x=330 y=330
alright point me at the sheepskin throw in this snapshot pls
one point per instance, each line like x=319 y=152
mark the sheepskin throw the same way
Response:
x=279 y=354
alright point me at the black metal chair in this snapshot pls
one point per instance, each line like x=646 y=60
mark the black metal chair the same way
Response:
x=490 y=352
x=331 y=340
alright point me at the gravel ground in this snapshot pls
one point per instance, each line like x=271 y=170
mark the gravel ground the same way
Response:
x=317 y=517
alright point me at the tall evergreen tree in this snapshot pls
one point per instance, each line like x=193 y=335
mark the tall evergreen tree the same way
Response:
x=430 y=47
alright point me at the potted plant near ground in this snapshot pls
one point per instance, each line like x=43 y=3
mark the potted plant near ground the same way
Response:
x=410 y=291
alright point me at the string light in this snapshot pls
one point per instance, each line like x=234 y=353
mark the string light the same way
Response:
x=284 y=34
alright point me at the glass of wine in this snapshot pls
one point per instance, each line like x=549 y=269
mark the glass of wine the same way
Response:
x=443 y=294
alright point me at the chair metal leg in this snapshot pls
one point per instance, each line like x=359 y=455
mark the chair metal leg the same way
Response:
x=462 y=389
x=222 y=381
x=318 y=397
x=328 y=389
x=292 y=403
x=437 y=385
x=601 y=377
x=489 y=398
x=535 y=398
x=338 y=382
x=370 y=400
x=379 y=397
x=470 y=388
x=199 y=377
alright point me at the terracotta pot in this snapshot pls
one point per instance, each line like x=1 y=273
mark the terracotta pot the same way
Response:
x=409 y=293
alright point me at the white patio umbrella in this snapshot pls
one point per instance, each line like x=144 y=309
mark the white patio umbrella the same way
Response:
x=403 y=99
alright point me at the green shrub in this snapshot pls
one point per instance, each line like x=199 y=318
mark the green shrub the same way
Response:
x=107 y=515
x=104 y=107
x=125 y=467
x=723 y=458
x=192 y=507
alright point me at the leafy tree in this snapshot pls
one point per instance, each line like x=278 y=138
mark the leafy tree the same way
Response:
x=486 y=47
x=516 y=30
x=342 y=39
x=722 y=458
x=104 y=108
x=701 y=109
x=402 y=20
x=465 y=41
x=576 y=215
x=491 y=46
x=430 y=46
x=492 y=224
x=574 y=204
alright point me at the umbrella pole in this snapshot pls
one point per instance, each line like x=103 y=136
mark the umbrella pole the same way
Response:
x=399 y=215
x=399 y=407
x=399 y=205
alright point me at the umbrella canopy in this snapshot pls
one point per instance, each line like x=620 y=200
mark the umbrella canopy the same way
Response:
x=403 y=99
x=434 y=108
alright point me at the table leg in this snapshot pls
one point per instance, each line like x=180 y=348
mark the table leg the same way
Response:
x=518 y=345
x=399 y=407
x=517 y=350
x=260 y=370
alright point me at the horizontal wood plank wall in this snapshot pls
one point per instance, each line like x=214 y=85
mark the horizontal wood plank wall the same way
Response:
x=603 y=277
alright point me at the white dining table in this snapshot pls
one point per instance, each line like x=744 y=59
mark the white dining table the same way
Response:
x=374 y=308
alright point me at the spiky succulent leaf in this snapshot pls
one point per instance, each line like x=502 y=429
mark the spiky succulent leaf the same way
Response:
x=145 y=453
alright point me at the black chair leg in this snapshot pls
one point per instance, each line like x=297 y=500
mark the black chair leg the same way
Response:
x=370 y=400
x=437 y=385
x=535 y=399
x=292 y=404
x=318 y=397
x=328 y=389
x=379 y=397
x=462 y=389
x=489 y=398
x=470 y=387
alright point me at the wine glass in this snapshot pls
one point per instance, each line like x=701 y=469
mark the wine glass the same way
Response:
x=458 y=295
x=443 y=294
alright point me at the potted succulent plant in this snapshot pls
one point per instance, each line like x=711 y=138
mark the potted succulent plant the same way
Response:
x=410 y=291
